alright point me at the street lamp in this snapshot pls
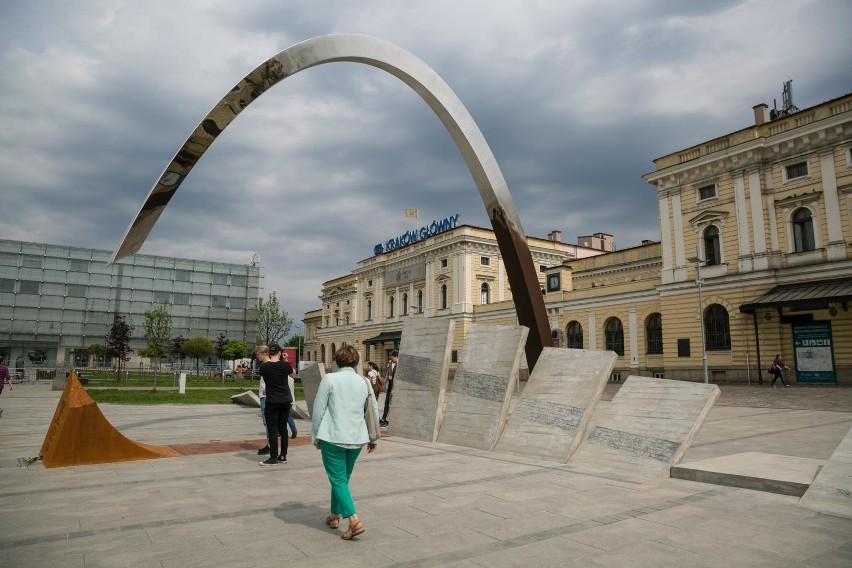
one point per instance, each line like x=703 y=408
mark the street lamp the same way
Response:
x=699 y=282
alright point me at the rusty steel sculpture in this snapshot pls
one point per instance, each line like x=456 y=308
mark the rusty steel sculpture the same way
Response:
x=522 y=273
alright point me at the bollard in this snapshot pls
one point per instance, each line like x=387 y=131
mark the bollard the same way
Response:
x=182 y=384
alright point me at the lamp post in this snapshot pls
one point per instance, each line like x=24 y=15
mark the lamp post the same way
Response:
x=700 y=282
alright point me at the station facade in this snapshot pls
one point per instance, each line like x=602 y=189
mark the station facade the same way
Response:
x=752 y=260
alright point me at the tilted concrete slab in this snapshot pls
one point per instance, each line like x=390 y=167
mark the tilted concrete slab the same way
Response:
x=556 y=404
x=248 y=398
x=478 y=404
x=311 y=377
x=648 y=427
x=785 y=475
x=421 y=377
x=831 y=490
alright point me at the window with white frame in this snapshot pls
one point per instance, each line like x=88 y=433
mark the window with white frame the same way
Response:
x=485 y=261
x=794 y=171
x=369 y=310
x=803 y=230
x=405 y=304
x=706 y=192
x=444 y=262
x=484 y=294
x=444 y=299
x=712 y=246
x=420 y=301
x=390 y=306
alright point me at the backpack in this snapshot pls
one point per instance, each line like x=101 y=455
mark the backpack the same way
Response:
x=381 y=384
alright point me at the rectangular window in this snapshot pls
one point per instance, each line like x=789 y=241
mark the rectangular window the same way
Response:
x=238 y=303
x=444 y=262
x=238 y=280
x=8 y=259
x=454 y=356
x=31 y=262
x=75 y=291
x=7 y=285
x=616 y=377
x=182 y=275
x=78 y=265
x=683 y=347
x=485 y=261
x=220 y=279
x=659 y=375
x=706 y=192
x=28 y=287
x=162 y=297
x=796 y=170
x=181 y=299
x=219 y=302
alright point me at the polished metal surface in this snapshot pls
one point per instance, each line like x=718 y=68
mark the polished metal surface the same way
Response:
x=384 y=55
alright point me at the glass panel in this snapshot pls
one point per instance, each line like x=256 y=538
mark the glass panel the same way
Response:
x=29 y=287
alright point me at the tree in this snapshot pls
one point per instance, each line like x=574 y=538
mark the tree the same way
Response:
x=96 y=350
x=234 y=349
x=118 y=342
x=221 y=341
x=296 y=341
x=175 y=351
x=273 y=323
x=197 y=347
x=158 y=329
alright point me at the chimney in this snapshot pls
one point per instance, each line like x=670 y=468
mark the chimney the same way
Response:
x=761 y=114
x=555 y=236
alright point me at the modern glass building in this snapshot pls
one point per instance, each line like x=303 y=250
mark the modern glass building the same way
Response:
x=56 y=301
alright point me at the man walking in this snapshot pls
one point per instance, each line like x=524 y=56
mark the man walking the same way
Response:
x=389 y=374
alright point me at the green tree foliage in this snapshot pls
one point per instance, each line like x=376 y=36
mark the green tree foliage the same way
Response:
x=234 y=349
x=221 y=341
x=158 y=330
x=118 y=342
x=175 y=351
x=298 y=342
x=196 y=348
x=273 y=323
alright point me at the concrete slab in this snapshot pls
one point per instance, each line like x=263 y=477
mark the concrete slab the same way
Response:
x=831 y=491
x=248 y=398
x=786 y=475
x=311 y=377
x=478 y=405
x=647 y=428
x=420 y=382
x=557 y=402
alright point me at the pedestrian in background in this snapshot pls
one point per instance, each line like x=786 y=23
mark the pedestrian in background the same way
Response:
x=777 y=370
x=278 y=401
x=339 y=430
x=5 y=378
x=390 y=372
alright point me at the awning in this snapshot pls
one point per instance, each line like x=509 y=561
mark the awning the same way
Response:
x=804 y=296
x=384 y=337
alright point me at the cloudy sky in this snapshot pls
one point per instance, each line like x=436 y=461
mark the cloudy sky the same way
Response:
x=575 y=98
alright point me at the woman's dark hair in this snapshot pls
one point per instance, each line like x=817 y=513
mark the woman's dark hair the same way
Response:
x=372 y=365
x=274 y=348
x=347 y=356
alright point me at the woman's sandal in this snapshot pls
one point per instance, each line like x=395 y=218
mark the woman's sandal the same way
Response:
x=354 y=530
x=332 y=521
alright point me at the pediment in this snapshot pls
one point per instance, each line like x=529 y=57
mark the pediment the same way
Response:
x=708 y=218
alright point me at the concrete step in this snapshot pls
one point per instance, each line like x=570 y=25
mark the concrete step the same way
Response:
x=785 y=475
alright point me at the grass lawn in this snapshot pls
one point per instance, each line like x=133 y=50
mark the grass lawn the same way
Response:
x=192 y=396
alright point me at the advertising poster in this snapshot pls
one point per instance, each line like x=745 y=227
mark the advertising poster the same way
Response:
x=814 y=353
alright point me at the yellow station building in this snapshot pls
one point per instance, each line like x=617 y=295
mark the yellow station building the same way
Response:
x=753 y=260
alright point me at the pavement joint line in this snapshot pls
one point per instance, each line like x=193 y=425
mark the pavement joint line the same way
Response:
x=530 y=538
x=775 y=432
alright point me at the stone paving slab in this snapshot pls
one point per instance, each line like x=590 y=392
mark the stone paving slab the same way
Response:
x=831 y=491
x=786 y=475
x=423 y=504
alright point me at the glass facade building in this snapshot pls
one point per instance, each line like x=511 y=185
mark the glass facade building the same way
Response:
x=56 y=300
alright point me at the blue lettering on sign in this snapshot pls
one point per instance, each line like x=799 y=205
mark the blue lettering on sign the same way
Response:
x=410 y=237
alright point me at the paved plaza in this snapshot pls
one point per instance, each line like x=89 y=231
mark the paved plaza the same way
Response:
x=423 y=504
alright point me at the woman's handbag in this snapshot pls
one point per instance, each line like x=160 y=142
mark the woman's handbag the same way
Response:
x=370 y=417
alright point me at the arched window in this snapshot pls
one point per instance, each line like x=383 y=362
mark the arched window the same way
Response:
x=390 y=306
x=803 y=230
x=420 y=301
x=484 y=294
x=717 y=332
x=322 y=354
x=333 y=351
x=369 y=310
x=654 y=334
x=614 y=333
x=443 y=296
x=405 y=304
x=575 y=335
x=712 y=249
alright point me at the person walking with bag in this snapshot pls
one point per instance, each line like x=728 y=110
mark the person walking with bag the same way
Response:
x=343 y=407
x=777 y=370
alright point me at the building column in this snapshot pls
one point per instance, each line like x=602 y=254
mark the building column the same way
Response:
x=742 y=223
x=758 y=221
x=429 y=289
x=666 y=239
x=379 y=299
x=593 y=335
x=680 y=272
x=836 y=248
x=634 y=338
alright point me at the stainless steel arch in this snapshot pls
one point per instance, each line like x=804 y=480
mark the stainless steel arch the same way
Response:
x=520 y=268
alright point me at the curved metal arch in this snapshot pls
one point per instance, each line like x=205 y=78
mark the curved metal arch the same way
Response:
x=391 y=58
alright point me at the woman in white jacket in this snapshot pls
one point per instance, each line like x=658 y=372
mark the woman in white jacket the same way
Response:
x=339 y=431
